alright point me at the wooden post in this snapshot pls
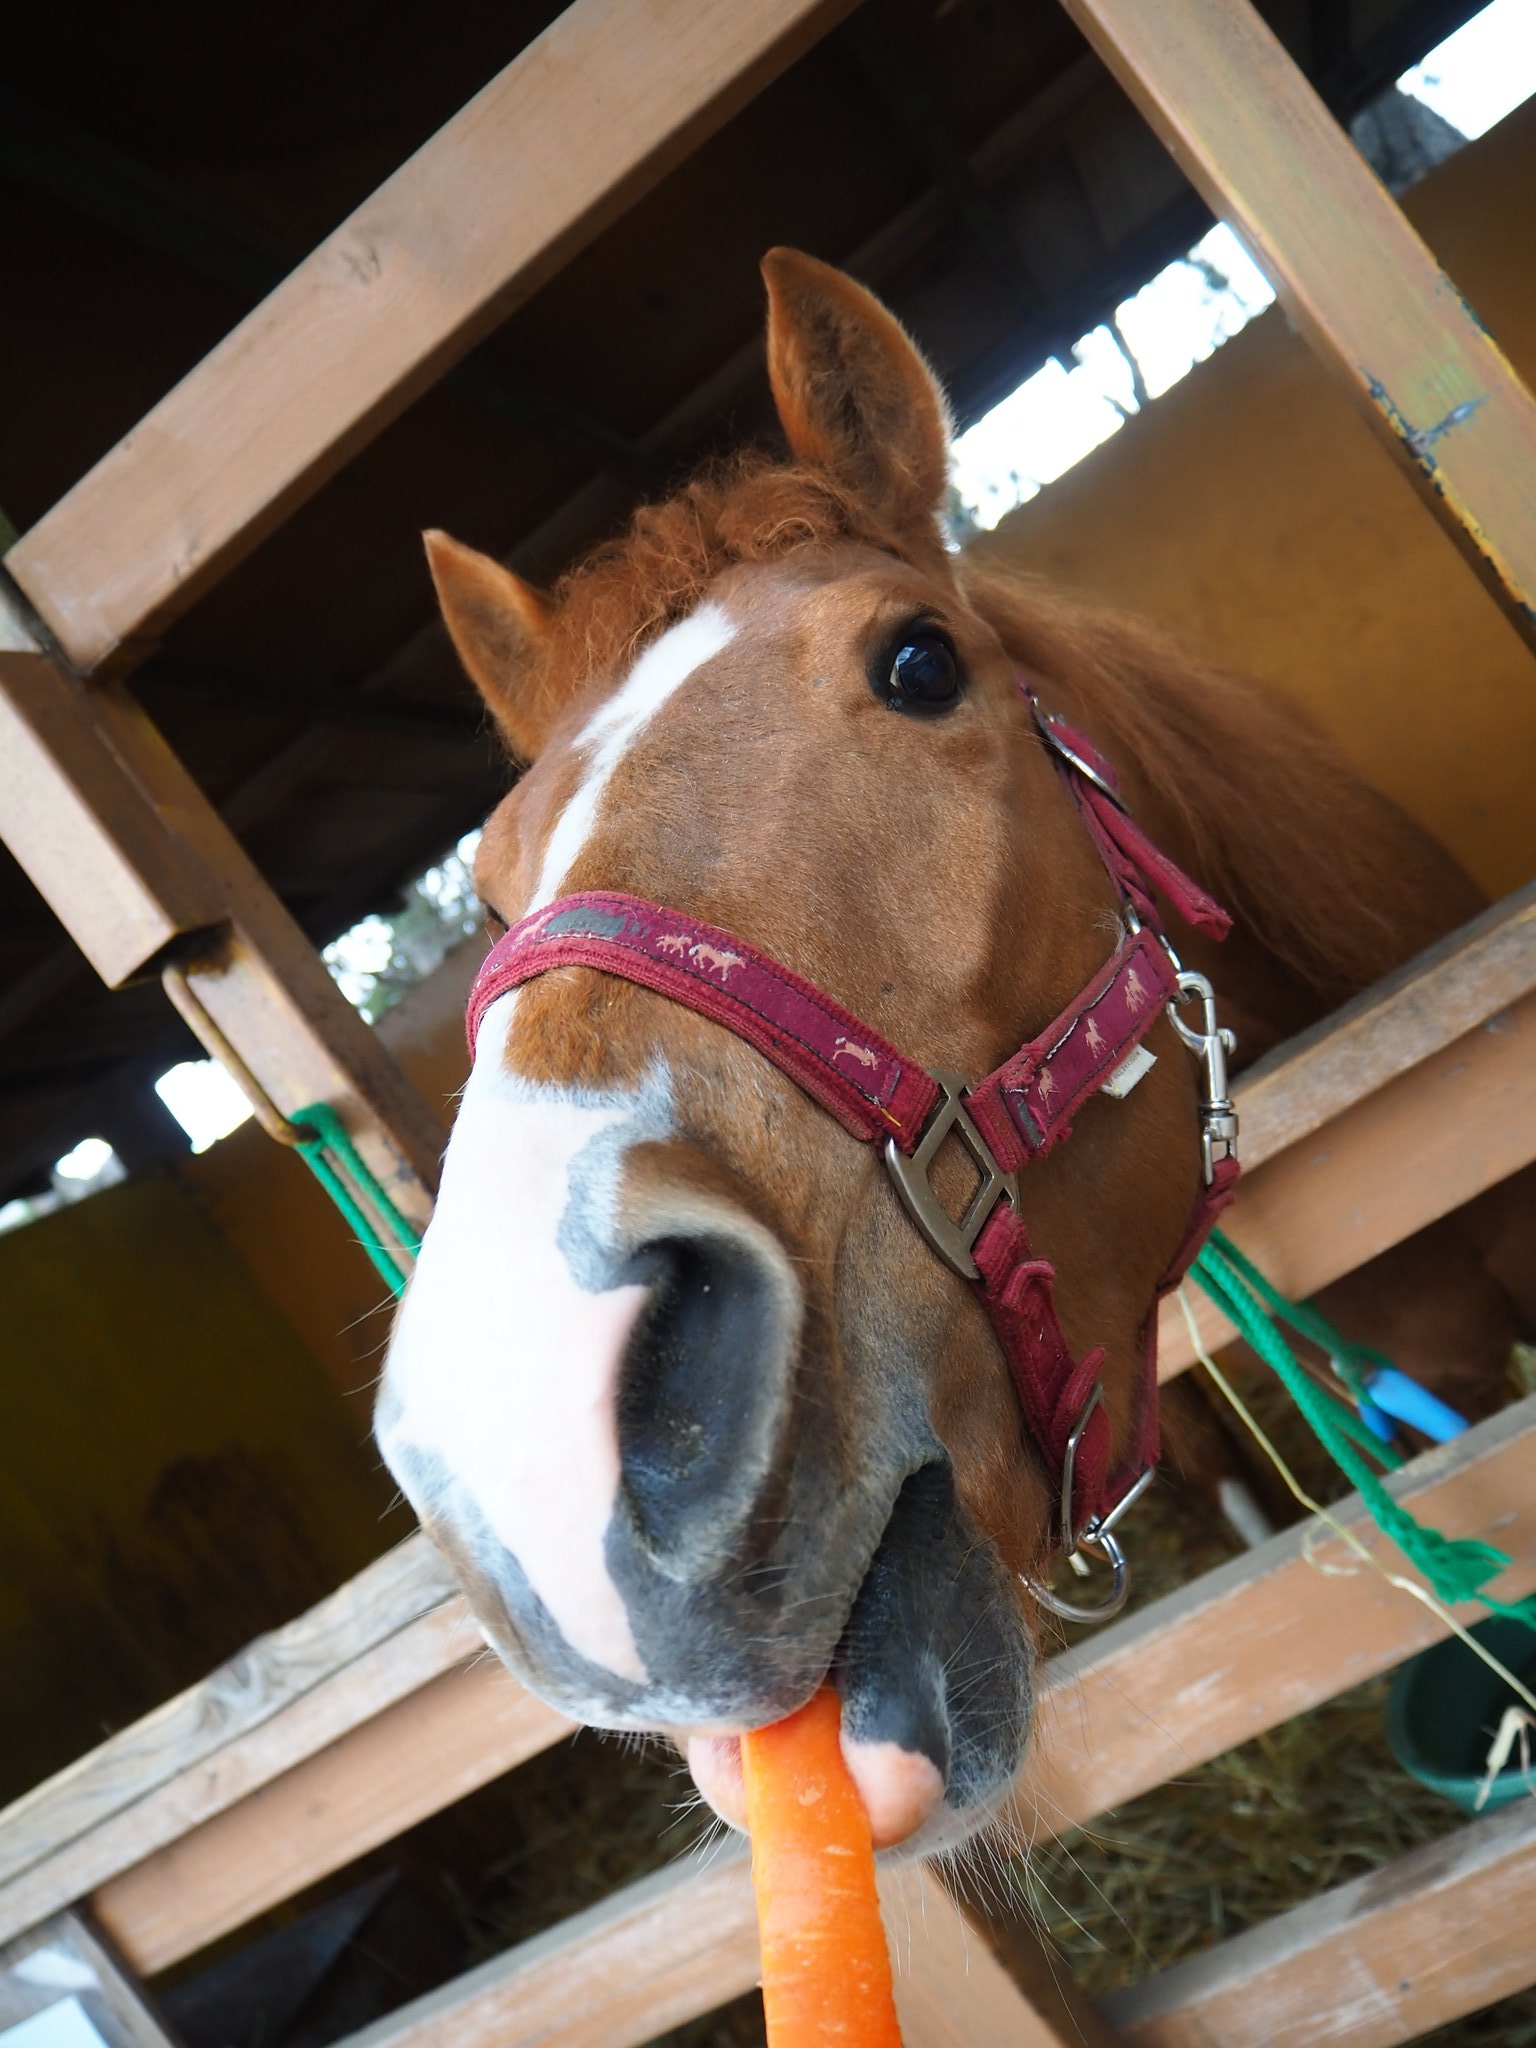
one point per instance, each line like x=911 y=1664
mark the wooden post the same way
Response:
x=140 y=870
x=63 y=1963
x=1260 y=146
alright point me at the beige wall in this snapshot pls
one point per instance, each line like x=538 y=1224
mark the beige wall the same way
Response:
x=1252 y=511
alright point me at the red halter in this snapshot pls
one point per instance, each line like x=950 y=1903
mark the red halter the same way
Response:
x=1017 y=1113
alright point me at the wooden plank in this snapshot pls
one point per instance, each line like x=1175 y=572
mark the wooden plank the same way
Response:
x=1239 y=118
x=1418 y=1148
x=1146 y=1699
x=586 y=120
x=367 y=1649
x=1223 y=1659
x=64 y=1961
x=138 y=867
x=651 y=1957
x=385 y=1634
x=673 y=1946
x=1448 y=990
x=409 y=1761
x=953 y=1992
x=1383 y=1959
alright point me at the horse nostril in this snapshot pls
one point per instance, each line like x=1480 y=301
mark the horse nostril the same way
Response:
x=702 y=1390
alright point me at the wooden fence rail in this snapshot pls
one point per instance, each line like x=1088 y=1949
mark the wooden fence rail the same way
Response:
x=1214 y=1664
x=1442 y=1932
x=279 y=1752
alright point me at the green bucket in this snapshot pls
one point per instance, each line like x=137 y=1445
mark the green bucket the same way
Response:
x=1445 y=1708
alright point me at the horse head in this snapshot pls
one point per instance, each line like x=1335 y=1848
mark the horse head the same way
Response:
x=695 y=1411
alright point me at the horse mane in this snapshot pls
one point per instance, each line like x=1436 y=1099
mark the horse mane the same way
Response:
x=1332 y=878
x=1329 y=876
x=748 y=507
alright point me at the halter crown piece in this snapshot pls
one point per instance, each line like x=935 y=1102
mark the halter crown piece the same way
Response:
x=1015 y=1114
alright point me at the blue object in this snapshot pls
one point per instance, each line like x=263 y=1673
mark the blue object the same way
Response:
x=1391 y=1392
x=1376 y=1420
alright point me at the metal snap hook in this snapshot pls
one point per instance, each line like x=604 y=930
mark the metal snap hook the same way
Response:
x=1210 y=1044
x=1108 y=1548
x=1096 y=1535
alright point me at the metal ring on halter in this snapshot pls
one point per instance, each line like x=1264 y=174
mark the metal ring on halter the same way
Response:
x=1119 y=1584
x=1097 y=1535
x=1050 y=724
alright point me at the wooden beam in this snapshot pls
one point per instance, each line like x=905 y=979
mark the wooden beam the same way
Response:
x=655 y=1955
x=64 y=1959
x=1240 y=119
x=41 y=149
x=383 y=1636
x=1439 y=1933
x=1451 y=988
x=673 y=1946
x=436 y=1745
x=577 y=128
x=1452 y=1126
x=397 y=1627
x=953 y=1990
x=1118 y=1715
x=1223 y=1659
x=1447 y=1023
x=140 y=870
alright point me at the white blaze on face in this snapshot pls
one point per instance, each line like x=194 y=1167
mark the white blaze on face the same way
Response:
x=665 y=664
x=506 y=1354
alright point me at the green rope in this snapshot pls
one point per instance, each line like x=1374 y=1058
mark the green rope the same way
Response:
x=1457 y=1568
x=332 y=1139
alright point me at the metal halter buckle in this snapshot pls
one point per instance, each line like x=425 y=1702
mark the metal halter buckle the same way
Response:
x=952 y=1240
x=1096 y=1534
x=1050 y=726
x=1210 y=1044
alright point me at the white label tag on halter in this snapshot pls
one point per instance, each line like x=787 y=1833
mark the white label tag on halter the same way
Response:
x=1136 y=1066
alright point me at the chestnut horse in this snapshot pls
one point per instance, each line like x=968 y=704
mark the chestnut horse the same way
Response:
x=693 y=1409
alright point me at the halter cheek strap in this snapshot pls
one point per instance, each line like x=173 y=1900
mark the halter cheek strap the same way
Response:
x=1014 y=1115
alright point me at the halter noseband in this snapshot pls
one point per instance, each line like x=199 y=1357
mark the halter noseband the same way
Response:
x=1016 y=1114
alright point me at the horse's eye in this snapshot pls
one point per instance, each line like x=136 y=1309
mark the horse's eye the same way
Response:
x=924 y=674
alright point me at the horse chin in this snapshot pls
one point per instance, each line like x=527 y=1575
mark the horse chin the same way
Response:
x=935 y=1672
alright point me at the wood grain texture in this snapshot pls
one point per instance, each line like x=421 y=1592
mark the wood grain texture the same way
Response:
x=585 y=121
x=651 y=1957
x=1239 y=118
x=1448 y=990
x=1439 y=1933
x=383 y=1636
x=409 y=1761
x=1266 y=1636
x=676 y=1945
x=132 y=859
x=953 y=1992
x=1417 y=1148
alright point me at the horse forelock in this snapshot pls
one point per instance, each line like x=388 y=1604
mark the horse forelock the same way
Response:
x=750 y=508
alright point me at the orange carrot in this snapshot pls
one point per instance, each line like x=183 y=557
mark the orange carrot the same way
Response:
x=826 y=1969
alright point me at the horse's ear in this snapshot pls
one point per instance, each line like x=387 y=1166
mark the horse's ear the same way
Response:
x=854 y=396
x=499 y=626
